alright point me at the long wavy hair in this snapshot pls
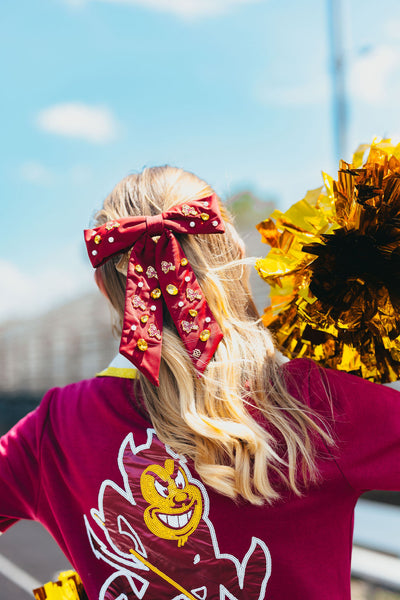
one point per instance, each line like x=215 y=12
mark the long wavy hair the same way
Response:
x=247 y=436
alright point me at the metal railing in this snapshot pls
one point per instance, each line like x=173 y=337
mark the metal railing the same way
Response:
x=376 y=551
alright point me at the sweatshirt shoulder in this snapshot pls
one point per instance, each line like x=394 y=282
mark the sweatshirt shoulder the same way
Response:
x=93 y=388
x=317 y=387
x=329 y=391
x=301 y=377
x=94 y=398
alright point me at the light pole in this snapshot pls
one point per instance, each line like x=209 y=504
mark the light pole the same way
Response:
x=338 y=78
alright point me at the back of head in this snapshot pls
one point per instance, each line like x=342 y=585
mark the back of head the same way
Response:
x=207 y=418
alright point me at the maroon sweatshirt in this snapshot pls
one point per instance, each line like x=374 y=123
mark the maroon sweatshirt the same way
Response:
x=136 y=521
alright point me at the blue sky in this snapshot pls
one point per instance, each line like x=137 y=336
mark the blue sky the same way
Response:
x=237 y=91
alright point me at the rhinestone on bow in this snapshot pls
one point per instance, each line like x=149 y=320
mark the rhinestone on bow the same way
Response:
x=151 y=272
x=137 y=302
x=188 y=327
x=205 y=334
x=192 y=295
x=188 y=211
x=154 y=332
x=142 y=345
x=167 y=266
x=112 y=225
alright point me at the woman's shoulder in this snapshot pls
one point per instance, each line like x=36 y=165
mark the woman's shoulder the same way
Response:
x=93 y=389
x=108 y=385
x=94 y=401
x=332 y=391
x=304 y=380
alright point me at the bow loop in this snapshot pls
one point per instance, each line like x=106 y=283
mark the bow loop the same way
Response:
x=161 y=273
x=155 y=225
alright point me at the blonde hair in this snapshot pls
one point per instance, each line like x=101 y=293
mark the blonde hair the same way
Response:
x=213 y=419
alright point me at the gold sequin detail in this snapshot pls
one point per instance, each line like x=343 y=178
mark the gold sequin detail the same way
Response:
x=192 y=312
x=97 y=239
x=184 y=262
x=139 y=268
x=204 y=335
x=142 y=345
x=205 y=216
x=156 y=293
x=144 y=318
x=172 y=289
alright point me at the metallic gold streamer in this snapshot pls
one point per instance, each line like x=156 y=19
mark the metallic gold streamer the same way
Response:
x=334 y=268
x=68 y=587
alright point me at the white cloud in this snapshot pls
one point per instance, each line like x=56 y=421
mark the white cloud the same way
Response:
x=373 y=75
x=94 y=124
x=181 y=8
x=34 y=172
x=392 y=28
x=25 y=294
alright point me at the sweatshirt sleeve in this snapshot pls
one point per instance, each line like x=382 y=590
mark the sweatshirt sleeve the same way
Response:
x=20 y=467
x=365 y=422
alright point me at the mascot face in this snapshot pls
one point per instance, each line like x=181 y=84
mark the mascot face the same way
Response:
x=175 y=505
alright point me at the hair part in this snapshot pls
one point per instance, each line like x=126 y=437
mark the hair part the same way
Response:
x=215 y=420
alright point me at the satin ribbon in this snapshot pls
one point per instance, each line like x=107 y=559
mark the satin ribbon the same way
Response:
x=159 y=272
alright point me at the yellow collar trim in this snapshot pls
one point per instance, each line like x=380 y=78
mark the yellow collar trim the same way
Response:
x=120 y=366
x=116 y=372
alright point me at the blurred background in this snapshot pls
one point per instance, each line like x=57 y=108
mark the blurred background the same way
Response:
x=254 y=96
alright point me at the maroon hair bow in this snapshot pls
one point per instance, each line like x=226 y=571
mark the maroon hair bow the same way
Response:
x=158 y=271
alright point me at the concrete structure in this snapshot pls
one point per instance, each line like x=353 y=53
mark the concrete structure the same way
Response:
x=69 y=343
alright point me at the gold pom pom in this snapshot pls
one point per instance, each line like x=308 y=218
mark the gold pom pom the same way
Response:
x=334 y=268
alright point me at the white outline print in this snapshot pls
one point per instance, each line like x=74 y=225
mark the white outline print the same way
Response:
x=136 y=574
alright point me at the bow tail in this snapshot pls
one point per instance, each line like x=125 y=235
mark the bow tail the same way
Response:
x=194 y=321
x=141 y=338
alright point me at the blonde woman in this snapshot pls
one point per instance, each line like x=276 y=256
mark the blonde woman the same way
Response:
x=197 y=466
